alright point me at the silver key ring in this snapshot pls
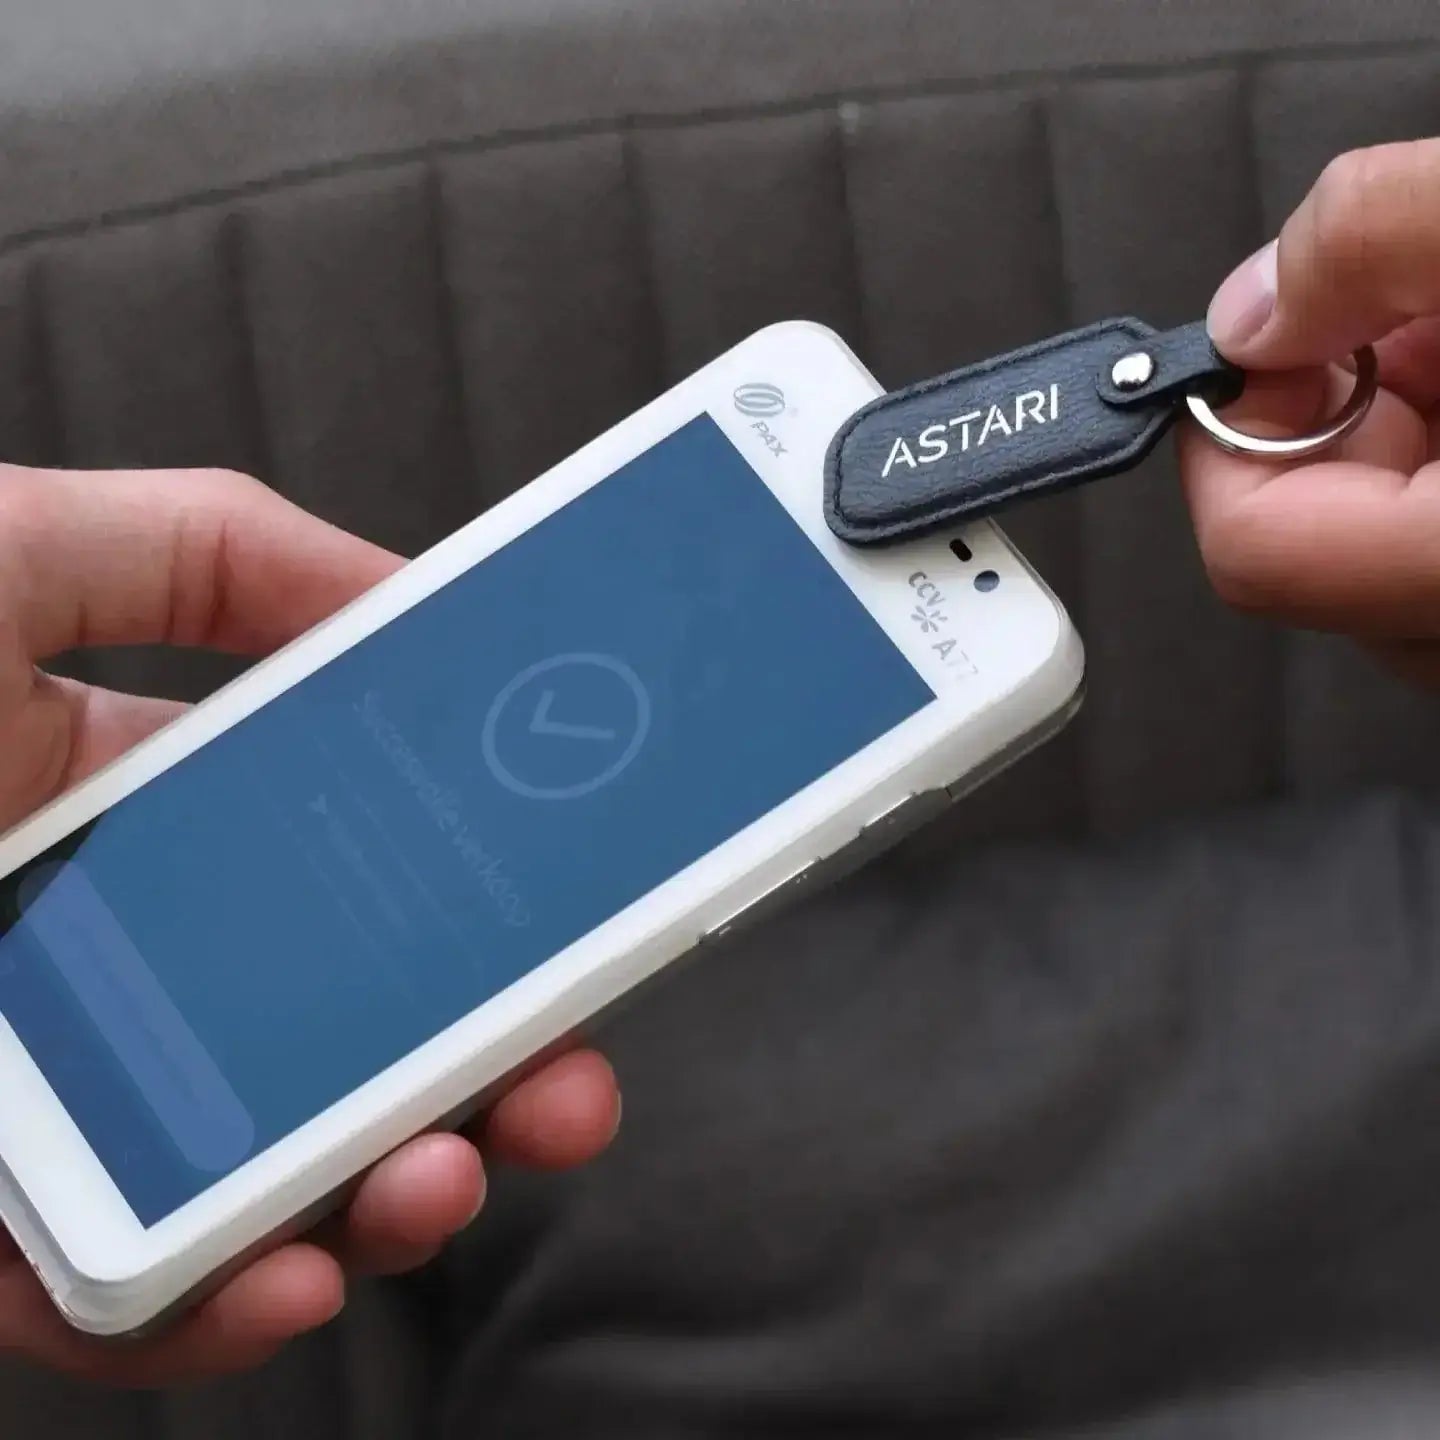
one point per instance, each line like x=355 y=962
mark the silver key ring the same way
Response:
x=1354 y=411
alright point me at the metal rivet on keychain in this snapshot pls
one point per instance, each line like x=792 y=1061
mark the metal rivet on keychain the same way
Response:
x=1355 y=409
x=1133 y=371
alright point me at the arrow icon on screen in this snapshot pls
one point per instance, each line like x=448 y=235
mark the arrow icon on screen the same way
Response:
x=542 y=724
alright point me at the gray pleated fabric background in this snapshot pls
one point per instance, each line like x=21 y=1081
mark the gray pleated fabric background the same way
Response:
x=397 y=260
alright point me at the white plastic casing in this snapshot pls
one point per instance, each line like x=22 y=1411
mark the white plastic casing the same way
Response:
x=1013 y=675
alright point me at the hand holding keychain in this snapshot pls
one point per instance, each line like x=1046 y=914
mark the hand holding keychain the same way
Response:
x=1348 y=540
x=1057 y=414
x=1315 y=495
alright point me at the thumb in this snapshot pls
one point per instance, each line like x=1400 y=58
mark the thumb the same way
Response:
x=1358 y=259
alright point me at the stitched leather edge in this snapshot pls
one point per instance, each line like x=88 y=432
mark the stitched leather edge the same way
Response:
x=855 y=532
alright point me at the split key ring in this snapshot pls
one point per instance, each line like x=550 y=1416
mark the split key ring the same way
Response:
x=1297 y=447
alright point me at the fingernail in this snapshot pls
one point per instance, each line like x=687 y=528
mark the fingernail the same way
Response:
x=474 y=1215
x=332 y=1313
x=1246 y=300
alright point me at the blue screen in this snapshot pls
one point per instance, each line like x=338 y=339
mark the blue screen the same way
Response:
x=358 y=865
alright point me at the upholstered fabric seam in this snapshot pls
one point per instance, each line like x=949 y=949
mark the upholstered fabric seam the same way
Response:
x=860 y=308
x=452 y=358
x=506 y=139
x=637 y=199
x=230 y=258
x=48 y=431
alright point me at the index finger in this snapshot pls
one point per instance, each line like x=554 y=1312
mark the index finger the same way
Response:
x=203 y=558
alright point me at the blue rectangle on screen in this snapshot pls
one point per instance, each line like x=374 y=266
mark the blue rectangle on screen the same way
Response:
x=349 y=871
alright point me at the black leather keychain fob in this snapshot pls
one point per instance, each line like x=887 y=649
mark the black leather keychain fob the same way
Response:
x=1046 y=418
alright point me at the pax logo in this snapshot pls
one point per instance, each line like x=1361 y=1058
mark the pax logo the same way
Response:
x=760 y=401
x=763 y=403
x=974 y=430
